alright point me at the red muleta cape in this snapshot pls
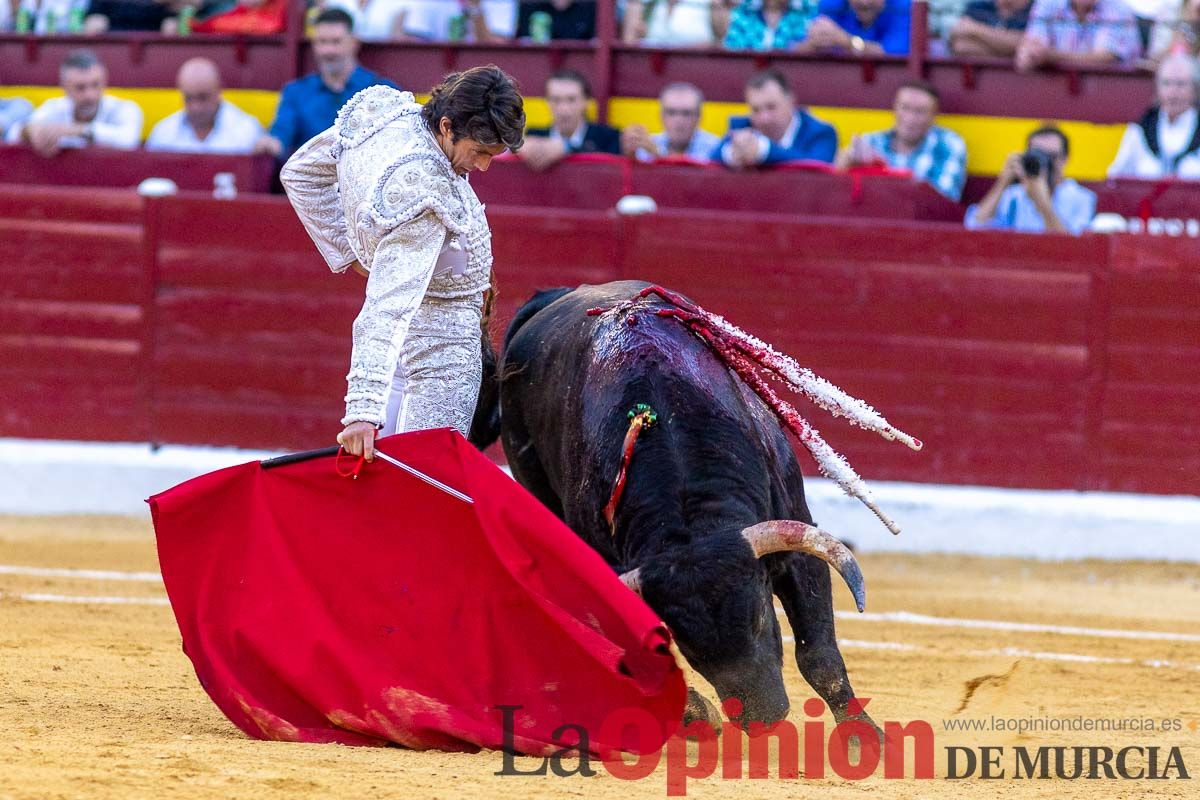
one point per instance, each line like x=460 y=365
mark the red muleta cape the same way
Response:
x=317 y=608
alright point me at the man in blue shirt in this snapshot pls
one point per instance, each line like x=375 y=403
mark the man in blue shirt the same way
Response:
x=1020 y=201
x=309 y=105
x=776 y=130
x=860 y=27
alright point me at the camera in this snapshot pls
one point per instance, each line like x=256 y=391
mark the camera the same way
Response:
x=1035 y=162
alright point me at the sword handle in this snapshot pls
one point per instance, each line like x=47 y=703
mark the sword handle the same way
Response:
x=295 y=458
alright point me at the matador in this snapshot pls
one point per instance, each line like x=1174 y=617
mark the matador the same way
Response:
x=385 y=191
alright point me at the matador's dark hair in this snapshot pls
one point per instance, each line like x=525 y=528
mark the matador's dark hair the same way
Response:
x=482 y=103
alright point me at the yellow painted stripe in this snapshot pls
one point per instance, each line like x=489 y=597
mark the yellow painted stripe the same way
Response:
x=988 y=139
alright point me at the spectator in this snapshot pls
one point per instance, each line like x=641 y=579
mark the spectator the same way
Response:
x=487 y=20
x=569 y=19
x=722 y=16
x=1034 y=203
x=374 y=20
x=85 y=116
x=567 y=93
x=943 y=14
x=1078 y=33
x=248 y=16
x=43 y=15
x=669 y=23
x=207 y=123
x=860 y=27
x=13 y=111
x=680 y=105
x=1166 y=140
x=310 y=104
x=933 y=154
x=1179 y=33
x=769 y=24
x=125 y=15
x=990 y=28
x=776 y=130
x=427 y=20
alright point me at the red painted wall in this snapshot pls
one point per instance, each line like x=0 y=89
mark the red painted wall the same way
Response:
x=1043 y=361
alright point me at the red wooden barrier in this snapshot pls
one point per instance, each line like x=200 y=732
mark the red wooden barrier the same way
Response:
x=125 y=169
x=71 y=321
x=148 y=59
x=1046 y=361
x=599 y=181
x=1149 y=429
x=979 y=342
x=252 y=327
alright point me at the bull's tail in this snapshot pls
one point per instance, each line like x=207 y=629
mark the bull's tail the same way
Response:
x=485 y=426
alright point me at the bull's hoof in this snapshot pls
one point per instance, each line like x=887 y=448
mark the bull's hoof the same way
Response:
x=854 y=742
x=700 y=709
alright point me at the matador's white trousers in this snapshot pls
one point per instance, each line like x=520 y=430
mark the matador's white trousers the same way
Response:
x=436 y=382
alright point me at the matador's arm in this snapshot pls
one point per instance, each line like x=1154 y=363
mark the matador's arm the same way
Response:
x=310 y=179
x=400 y=273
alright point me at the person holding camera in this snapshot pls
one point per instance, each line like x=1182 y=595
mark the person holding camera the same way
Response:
x=1030 y=193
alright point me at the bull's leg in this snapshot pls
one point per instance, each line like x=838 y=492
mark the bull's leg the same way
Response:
x=805 y=591
x=525 y=465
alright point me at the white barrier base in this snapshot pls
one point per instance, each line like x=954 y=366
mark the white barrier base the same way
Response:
x=52 y=477
x=974 y=520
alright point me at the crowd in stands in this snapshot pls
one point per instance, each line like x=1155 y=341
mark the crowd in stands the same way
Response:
x=1029 y=194
x=1033 y=33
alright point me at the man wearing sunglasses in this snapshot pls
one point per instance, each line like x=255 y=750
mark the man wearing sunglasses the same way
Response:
x=679 y=105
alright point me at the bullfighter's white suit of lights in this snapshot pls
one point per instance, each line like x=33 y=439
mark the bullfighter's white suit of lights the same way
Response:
x=376 y=187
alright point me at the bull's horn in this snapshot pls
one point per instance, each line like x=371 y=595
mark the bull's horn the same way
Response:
x=778 y=535
x=633 y=579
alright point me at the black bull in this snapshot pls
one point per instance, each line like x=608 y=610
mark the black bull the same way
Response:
x=716 y=464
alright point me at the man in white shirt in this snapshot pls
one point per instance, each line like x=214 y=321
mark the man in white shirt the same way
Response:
x=1166 y=140
x=207 y=123
x=85 y=116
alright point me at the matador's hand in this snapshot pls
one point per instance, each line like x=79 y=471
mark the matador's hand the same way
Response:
x=358 y=439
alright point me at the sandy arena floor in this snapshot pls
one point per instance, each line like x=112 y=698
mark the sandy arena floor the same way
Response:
x=98 y=701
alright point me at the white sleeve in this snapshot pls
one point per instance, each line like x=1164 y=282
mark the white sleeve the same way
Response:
x=400 y=273
x=310 y=179
x=158 y=139
x=43 y=113
x=124 y=131
x=1125 y=164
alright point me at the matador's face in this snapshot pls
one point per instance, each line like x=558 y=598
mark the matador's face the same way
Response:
x=466 y=154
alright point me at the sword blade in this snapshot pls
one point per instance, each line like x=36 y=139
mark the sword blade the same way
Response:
x=416 y=473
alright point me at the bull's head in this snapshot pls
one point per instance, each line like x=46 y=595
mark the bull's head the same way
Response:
x=717 y=599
